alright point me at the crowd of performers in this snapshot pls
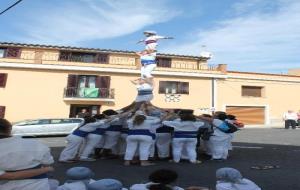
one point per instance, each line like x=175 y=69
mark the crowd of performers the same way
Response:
x=142 y=129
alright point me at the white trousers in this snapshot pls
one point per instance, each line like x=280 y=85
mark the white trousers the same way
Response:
x=143 y=142
x=26 y=184
x=163 y=142
x=189 y=144
x=146 y=70
x=219 y=146
x=72 y=148
x=111 y=139
x=92 y=140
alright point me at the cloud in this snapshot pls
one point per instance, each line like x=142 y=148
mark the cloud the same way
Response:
x=255 y=41
x=72 y=22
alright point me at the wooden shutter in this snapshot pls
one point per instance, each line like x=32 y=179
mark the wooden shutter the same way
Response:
x=255 y=91
x=162 y=87
x=72 y=81
x=3 y=79
x=183 y=88
x=13 y=52
x=64 y=56
x=164 y=62
x=2 y=112
x=103 y=82
x=101 y=58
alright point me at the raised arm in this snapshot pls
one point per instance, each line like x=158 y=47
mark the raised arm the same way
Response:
x=26 y=173
x=163 y=37
x=142 y=40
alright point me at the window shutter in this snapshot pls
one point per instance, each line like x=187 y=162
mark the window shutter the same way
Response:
x=164 y=62
x=254 y=91
x=103 y=82
x=3 y=79
x=2 y=112
x=72 y=81
x=101 y=58
x=13 y=52
x=183 y=88
x=64 y=56
x=162 y=87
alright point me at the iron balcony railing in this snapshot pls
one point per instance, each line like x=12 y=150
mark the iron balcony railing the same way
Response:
x=89 y=93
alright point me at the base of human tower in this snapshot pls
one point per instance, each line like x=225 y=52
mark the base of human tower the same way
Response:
x=149 y=107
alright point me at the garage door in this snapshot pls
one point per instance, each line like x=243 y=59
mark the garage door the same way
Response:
x=247 y=114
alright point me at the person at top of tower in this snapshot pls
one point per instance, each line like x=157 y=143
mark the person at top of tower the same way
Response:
x=151 y=41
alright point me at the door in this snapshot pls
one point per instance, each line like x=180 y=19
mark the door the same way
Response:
x=249 y=115
x=76 y=108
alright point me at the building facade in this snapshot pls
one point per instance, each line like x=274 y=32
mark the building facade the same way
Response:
x=39 y=81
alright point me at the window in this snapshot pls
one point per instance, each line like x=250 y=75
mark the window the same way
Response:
x=166 y=87
x=2 y=52
x=10 y=52
x=83 y=57
x=3 y=79
x=164 y=62
x=253 y=91
x=2 y=112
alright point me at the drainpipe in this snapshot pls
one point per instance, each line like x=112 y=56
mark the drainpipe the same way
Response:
x=213 y=95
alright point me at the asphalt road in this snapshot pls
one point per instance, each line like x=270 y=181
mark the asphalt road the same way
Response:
x=252 y=147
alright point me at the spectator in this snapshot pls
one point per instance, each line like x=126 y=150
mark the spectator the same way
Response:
x=106 y=184
x=83 y=113
x=290 y=119
x=78 y=179
x=160 y=179
x=232 y=179
x=22 y=156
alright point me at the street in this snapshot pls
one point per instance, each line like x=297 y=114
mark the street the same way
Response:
x=252 y=147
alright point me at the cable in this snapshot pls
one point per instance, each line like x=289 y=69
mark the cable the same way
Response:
x=11 y=6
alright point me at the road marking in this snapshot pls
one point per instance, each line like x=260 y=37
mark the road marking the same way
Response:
x=254 y=147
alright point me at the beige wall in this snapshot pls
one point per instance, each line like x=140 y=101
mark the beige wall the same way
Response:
x=30 y=95
x=278 y=96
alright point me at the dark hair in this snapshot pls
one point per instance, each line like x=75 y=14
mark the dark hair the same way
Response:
x=163 y=176
x=231 y=117
x=99 y=116
x=88 y=119
x=221 y=115
x=187 y=117
x=139 y=119
x=5 y=127
x=207 y=115
x=110 y=112
x=159 y=187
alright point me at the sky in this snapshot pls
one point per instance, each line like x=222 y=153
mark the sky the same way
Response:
x=247 y=35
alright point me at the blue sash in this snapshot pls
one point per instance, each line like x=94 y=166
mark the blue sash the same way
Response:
x=147 y=62
x=41 y=176
x=98 y=131
x=141 y=132
x=124 y=130
x=80 y=133
x=185 y=134
x=164 y=129
x=114 y=128
x=144 y=92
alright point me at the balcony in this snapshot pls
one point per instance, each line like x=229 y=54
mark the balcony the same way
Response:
x=89 y=94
